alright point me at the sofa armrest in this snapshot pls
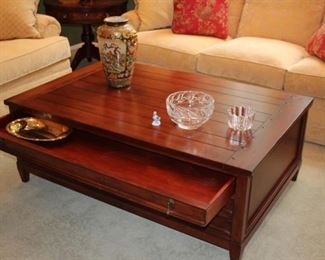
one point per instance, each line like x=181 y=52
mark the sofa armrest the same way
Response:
x=47 y=25
x=134 y=19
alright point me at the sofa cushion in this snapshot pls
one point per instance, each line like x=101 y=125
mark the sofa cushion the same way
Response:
x=24 y=56
x=201 y=17
x=315 y=131
x=288 y=20
x=316 y=45
x=18 y=19
x=32 y=80
x=307 y=77
x=163 y=48
x=255 y=60
x=154 y=14
x=235 y=10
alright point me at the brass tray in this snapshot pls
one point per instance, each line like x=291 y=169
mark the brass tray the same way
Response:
x=36 y=129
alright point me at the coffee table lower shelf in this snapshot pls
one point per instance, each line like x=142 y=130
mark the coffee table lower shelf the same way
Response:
x=218 y=232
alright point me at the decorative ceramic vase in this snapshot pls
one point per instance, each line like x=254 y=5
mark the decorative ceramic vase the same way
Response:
x=117 y=43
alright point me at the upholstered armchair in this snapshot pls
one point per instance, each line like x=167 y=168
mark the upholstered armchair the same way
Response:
x=32 y=51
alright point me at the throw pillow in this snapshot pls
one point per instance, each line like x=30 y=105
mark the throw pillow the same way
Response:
x=316 y=44
x=18 y=19
x=154 y=14
x=201 y=17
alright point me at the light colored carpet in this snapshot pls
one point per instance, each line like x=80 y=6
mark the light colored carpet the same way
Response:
x=41 y=220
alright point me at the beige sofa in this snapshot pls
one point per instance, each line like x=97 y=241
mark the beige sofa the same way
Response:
x=27 y=63
x=266 y=47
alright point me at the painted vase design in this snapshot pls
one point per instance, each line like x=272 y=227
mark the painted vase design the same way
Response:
x=117 y=43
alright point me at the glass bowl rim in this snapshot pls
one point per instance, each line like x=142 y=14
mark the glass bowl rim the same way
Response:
x=210 y=97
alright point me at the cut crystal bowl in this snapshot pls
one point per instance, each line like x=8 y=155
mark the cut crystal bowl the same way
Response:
x=189 y=109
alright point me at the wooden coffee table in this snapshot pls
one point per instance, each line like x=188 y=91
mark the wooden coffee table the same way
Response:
x=210 y=183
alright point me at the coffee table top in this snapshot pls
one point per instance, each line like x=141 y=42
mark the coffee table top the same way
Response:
x=82 y=100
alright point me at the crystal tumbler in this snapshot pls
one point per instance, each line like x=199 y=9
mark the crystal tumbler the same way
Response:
x=240 y=117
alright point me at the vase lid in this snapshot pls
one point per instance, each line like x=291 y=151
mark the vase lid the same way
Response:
x=115 y=20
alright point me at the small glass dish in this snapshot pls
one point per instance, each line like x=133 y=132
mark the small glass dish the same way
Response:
x=189 y=109
x=240 y=118
x=239 y=138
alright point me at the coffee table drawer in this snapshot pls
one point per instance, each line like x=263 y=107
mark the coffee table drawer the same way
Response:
x=188 y=192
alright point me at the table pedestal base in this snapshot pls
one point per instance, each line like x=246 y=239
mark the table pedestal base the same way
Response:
x=88 y=50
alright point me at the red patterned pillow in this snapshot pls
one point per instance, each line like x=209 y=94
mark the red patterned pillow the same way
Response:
x=202 y=17
x=316 y=45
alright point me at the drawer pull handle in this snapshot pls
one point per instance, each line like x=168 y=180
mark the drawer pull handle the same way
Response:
x=170 y=206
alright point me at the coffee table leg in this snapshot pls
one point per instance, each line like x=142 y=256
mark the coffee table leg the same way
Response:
x=301 y=144
x=239 y=223
x=24 y=174
x=294 y=178
x=235 y=252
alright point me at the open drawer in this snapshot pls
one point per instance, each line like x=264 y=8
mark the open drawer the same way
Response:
x=178 y=189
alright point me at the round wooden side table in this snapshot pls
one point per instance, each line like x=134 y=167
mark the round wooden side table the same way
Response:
x=85 y=13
